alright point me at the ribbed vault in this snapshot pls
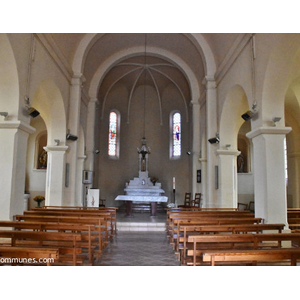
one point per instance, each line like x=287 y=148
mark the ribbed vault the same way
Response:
x=151 y=71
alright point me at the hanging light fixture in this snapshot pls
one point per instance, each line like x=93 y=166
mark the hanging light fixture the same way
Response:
x=144 y=150
x=32 y=112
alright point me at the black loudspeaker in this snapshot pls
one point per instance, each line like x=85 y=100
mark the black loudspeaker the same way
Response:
x=71 y=137
x=33 y=112
x=214 y=140
x=247 y=115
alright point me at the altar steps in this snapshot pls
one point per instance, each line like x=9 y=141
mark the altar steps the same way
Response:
x=141 y=207
x=141 y=226
x=141 y=222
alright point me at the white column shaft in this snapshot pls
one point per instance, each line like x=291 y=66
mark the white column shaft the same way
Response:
x=228 y=178
x=211 y=130
x=269 y=173
x=55 y=180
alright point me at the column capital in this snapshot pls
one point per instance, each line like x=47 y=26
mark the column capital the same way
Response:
x=268 y=130
x=17 y=125
x=78 y=78
x=209 y=82
x=56 y=148
x=94 y=100
x=203 y=160
x=82 y=157
x=228 y=152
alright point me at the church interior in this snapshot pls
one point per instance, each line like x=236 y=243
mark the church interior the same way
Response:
x=142 y=151
x=132 y=124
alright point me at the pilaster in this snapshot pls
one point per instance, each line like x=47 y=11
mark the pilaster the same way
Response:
x=211 y=130
x=55 y=179
x=13 y=137
x=90 y=132
x=196 y=146
x=269 y=173
x=228 y=178
x=73 y=126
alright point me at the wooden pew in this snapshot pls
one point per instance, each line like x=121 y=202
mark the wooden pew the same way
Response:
x=185 y=230
x=171 y=230
x=21 y=255
x=209 y=214
x=93 y=214
x=295 y=213
x=256 y=255
x=67 y=243
x=111 y=210
x=221 y=242
x=100 y=224
x=233 y=214
x=89 y=233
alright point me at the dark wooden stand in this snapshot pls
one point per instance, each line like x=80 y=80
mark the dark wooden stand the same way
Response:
x=153 y=209
x=129 y=209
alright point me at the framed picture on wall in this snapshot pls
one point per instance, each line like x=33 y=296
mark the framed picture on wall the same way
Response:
x=87 y=177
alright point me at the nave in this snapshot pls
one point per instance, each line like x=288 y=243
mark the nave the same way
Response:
x=136 y=248
x=188 y=236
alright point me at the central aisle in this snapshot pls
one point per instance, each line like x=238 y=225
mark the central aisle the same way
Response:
x=141 y=241
x=139 y=249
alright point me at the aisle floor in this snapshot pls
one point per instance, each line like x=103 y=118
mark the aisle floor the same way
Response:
x=139 y=249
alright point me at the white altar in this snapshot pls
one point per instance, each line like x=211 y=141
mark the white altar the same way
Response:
x=143 y=188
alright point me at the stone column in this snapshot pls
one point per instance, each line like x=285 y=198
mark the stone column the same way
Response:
x=228 y=178
x=196 y=147
x=13 y=150
x=73 y=126
x=211 y=130
x=269 y=173
x=79 y=201
x=90 y=134
x=55 y=179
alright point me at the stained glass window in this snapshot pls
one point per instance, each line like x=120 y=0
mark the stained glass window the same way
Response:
x=176 y=137
x=112 y=135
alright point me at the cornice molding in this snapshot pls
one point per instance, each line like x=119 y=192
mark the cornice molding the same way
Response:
x=268 y=130
x=17 y=125
x=56 y=148
x=228 y=152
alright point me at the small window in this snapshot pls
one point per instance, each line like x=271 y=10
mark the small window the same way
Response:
x=176 y=135
x=113 y=134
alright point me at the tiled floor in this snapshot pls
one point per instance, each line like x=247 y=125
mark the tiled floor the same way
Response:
x=139 y=249
x=136 y=248
x=141 y=222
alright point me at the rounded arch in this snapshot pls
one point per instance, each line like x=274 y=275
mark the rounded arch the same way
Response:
x=275 y=87
x=235 y=105
x=130 y=52
x=9 y=81
x=49 y=102
x=196 y=38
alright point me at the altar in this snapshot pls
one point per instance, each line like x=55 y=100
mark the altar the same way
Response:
x=143 y=188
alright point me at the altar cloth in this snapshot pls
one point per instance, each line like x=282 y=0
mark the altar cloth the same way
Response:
x=141 y=198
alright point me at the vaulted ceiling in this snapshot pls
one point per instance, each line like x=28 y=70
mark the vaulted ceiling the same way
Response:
x=157 y=51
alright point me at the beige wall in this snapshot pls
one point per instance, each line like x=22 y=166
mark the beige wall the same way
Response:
x=111 y=174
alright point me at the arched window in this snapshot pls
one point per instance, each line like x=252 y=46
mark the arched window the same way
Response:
x=113 y=134
x=176 y=135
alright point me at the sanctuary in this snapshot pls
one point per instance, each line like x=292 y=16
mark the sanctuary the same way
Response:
x=143 y=188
